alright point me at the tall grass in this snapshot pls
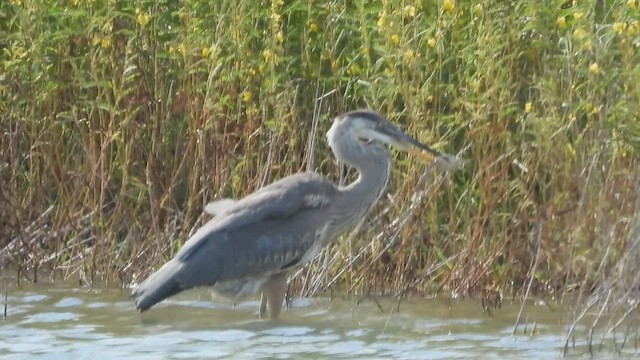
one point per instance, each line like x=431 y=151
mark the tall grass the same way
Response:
x=120 y=119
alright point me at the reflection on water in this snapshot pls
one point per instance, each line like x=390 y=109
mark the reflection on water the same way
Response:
x=71 y=323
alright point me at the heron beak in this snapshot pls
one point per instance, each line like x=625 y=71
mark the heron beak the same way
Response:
x=406 y=143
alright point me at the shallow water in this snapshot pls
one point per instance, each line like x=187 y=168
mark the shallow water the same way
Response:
x=55 y=322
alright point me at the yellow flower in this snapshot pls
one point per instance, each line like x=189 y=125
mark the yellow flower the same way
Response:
x=183 y=15
x=280 y=37
x=561 y=21
x=17 y=2
x=410 y=11
x=591 y=109
x=632 y=29
x=252 y=111
x=105 y=42
x=432 y=42
x=449 y=5
x=528 y=107
x=266 y=54
x=632 y=4
x=619 y=27
x=246 y=96
x=395 y=39
x=430 y=98
x=143 y=18
x=19 y=52
x=382 y=20
x=313 y=27
x=579 y=33
x=207 y=51
x=354 y=70
x=409 y=56
x=594 y=68
x=388 y=72
x=578 y=15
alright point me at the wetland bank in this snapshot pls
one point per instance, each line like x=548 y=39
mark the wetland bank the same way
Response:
x=120 y=120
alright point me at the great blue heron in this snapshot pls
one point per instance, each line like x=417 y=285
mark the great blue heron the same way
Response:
x=250 y=245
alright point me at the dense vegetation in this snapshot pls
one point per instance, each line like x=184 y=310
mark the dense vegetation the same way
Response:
x=120 y=119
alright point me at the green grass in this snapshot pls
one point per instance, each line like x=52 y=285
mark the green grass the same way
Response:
x=120 y=119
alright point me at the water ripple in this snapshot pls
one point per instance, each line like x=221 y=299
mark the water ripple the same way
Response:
x=106 y=325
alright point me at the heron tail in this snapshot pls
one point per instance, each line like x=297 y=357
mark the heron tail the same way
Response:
x=159 y=286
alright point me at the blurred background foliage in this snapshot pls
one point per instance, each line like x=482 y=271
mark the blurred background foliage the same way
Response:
x=120 y=119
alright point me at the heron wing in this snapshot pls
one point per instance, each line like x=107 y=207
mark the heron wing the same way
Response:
x=219 y=207
x=266 y=232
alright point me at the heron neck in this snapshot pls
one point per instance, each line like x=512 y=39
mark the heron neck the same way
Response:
x=374 y=169
x=373 y=177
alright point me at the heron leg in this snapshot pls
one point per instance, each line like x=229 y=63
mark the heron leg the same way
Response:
x=263 y=304
x=273 y=292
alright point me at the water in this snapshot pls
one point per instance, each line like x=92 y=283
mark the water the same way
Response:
x=54 y=322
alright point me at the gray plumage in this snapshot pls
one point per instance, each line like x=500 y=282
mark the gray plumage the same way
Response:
x=250 y=245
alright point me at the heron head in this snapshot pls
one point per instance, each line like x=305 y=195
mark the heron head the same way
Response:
x=368 y=126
